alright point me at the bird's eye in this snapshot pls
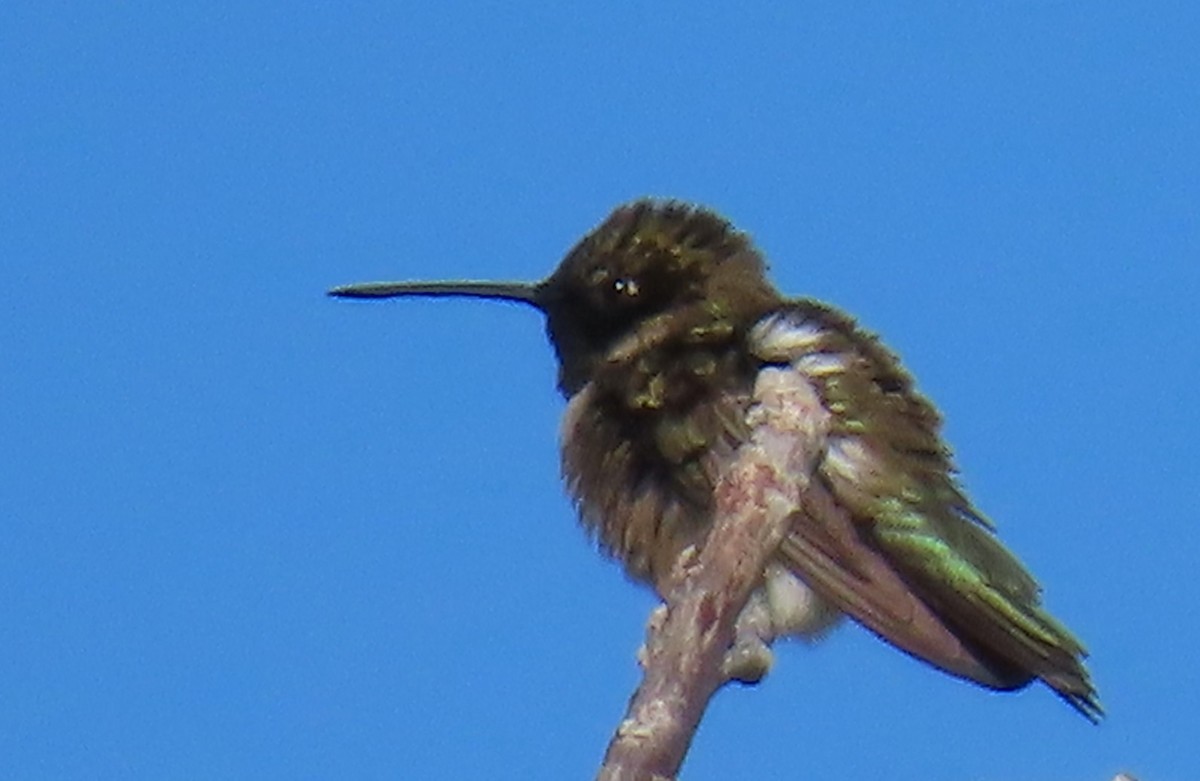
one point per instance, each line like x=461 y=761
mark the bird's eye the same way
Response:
x=626 y=288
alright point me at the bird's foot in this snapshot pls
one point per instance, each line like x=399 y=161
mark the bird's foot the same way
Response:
x=749 y=659
x=654 y=625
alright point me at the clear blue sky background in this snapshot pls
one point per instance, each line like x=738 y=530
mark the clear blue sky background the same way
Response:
x=249 y=532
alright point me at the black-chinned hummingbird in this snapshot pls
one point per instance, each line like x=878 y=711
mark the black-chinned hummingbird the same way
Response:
x=660 y=319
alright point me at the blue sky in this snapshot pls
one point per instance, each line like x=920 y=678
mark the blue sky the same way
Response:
x=249 y=532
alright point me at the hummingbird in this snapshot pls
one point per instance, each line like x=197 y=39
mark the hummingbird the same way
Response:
x=660 y=319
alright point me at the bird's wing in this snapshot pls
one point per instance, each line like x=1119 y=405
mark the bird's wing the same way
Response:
x=902 y=549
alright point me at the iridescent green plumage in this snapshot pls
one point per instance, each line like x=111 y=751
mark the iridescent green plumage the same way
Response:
x=960 y=599
x=661 y=318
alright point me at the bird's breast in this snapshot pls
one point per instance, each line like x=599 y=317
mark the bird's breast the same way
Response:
x=642 y=479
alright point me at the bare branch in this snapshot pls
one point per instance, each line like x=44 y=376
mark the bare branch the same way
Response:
x=685 y=653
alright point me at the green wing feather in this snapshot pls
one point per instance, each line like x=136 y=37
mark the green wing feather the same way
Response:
x=903 y=550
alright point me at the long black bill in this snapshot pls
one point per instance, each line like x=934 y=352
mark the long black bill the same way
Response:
x=522 y=292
